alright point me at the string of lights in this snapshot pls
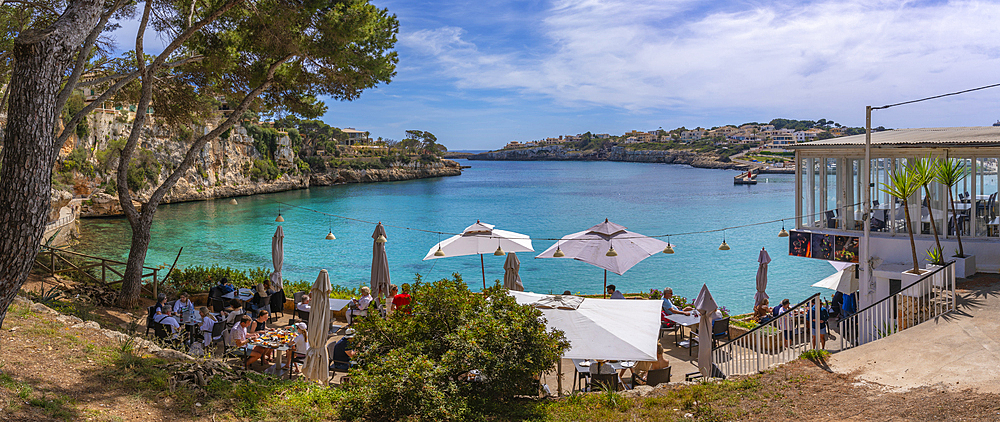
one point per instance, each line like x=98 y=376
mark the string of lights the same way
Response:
x=783 y=232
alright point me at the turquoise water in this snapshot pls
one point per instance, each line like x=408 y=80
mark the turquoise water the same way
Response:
x=540 y=199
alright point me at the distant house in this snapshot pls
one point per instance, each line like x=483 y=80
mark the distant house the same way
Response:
x=602 y=135
x=355 y=137
x=692 y=135
x=513 y=144
x=807 y=135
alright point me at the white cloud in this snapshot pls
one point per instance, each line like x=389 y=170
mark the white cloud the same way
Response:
x=827 y=58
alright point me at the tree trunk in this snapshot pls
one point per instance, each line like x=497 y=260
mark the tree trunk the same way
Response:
x=909 y=230
x=930 y=214
x=128 y=297
x=958 y=228
x=41 y=59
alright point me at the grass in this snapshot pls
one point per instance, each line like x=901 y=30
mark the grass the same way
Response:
x=54 y=406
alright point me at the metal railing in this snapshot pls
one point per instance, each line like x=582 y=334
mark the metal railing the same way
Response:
x=929 y=297
x=775 y=342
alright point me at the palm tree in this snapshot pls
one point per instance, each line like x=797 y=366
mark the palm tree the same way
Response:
x=925 y=170
x=950 y=173
x=903 y=183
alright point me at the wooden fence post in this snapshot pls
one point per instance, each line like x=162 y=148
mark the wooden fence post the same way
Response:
x=154 y=285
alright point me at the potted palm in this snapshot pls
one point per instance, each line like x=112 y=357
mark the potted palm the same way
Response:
x=950 y=173
x=902 y=184
x=924 y=170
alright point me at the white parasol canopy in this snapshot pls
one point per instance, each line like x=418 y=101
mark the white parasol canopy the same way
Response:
x=479 y=239
x=317 y=363
x=763 y=259
x=706 y=306
x=511 y=278
x=277 y=257
x=844 y=281
x=592 y=246
x=600 y=328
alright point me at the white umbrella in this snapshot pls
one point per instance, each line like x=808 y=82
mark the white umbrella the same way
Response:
x=706 y=306
x=479 y=239
x=595 y=244
x=277 y=257
x=763 y=259
x=602 y=329
x=317 y=364
x=843 y=281
x=380 y=264
x=511 y=279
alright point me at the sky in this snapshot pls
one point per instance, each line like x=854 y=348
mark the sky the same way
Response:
x=479 y=74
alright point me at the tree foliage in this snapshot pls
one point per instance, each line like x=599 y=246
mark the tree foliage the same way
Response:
x=416 y=366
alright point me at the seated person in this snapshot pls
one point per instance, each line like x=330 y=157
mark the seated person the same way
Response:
x=184 y=304
x=236 y=311
x=780 y=309
x=401 y=302
x=239 y=335
x=343 y=352
x=163 y=315
x=669 y=307
x=225 y=287
x=614 y=293
x=762 y=313
x=257 y=327
x=259 y=324
x=304 y=304
x=359 y=307
x=207 y=324
x=301 y=345
x=641 y=368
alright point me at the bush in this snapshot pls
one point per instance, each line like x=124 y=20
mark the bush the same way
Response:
x=413 y=367
x=264 y=170
x=200 y=279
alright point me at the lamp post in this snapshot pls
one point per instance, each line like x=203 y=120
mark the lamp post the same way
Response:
x=867 y=206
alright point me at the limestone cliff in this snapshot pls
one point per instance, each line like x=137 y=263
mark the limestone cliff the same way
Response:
x=617 y=153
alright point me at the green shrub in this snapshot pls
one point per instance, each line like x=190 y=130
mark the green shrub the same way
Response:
x=198 y=278
x=264 y=170
x=413 y=367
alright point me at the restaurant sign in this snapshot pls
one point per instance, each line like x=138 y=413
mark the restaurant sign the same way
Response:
x=823 y=246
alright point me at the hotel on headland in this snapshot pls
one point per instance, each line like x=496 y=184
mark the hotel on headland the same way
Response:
x=829 y=191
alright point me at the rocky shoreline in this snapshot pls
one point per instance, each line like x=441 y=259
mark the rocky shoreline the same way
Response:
x=560 y=153
x=104 y=205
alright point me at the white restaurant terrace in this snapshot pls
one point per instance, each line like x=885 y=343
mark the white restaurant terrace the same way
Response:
x=828 y=192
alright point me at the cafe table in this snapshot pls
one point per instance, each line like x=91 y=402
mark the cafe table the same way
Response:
x=582 y=366
x=244 y=294
x=279 y=340
x=687 y=321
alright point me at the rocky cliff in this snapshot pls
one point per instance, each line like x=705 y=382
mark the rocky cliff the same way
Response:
x=561 y=153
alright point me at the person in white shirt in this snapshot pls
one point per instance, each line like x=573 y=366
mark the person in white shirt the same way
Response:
x=301 y=345
x=207 y=324
x=304 y=304
x=234 y=316
x=614 y=293
x=239 y=333
x=184 y=305
x=359 y=307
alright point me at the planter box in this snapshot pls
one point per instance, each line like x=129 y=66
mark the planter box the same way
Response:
x=770 y=341
x=965 y=267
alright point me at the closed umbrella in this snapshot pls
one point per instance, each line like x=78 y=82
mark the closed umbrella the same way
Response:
x=511 y=279
x=479 y=239
x=317 y=363
x=706 y=306
x=380 y=263
x=763 y=259
x=277 y=257
x=595 y=245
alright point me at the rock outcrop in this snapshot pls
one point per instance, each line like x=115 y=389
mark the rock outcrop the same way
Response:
x=561 y=153
x=337 y=177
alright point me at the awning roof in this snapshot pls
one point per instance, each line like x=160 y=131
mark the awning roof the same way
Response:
x=941 y=137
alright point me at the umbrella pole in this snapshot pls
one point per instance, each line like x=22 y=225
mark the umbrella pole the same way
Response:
x=482 y=267
x=605 y=292
x=559 y=378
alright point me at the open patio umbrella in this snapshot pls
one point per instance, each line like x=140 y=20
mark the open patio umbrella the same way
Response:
x=380 y=263
x=317 y=363
x=277 y=257
x=763 y=259
x=706 y=306
x=479 y=239
x=608 y=246
x=511 y=279
x=844 y=281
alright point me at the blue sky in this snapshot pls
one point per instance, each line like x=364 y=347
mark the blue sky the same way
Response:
x=478 y=74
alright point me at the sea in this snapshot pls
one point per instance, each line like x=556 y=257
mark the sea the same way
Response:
x=543 y=199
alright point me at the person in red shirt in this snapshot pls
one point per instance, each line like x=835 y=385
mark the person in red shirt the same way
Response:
x=401 y=301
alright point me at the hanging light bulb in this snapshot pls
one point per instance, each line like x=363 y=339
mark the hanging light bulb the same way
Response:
x=670 y=248
x=233 y=201
x=439 y=252
x=724 y=246
x=279 y=219
x=330 y=236
x=499 y=251
x=611 y=251
x=559 y=253
x=783 y=232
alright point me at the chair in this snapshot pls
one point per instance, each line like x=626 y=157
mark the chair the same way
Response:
x=583 y=378
x=158 y=329
x=333 y=369
x=217 y=335
x=675 y=328
x=303 y=315
x=831 y=219
x=720 y=329
x=604 y=381
x=277 y=303
x=875 y=203
x=653 y=378
x=215 y=296
x=297 y=297
x=716 y=373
